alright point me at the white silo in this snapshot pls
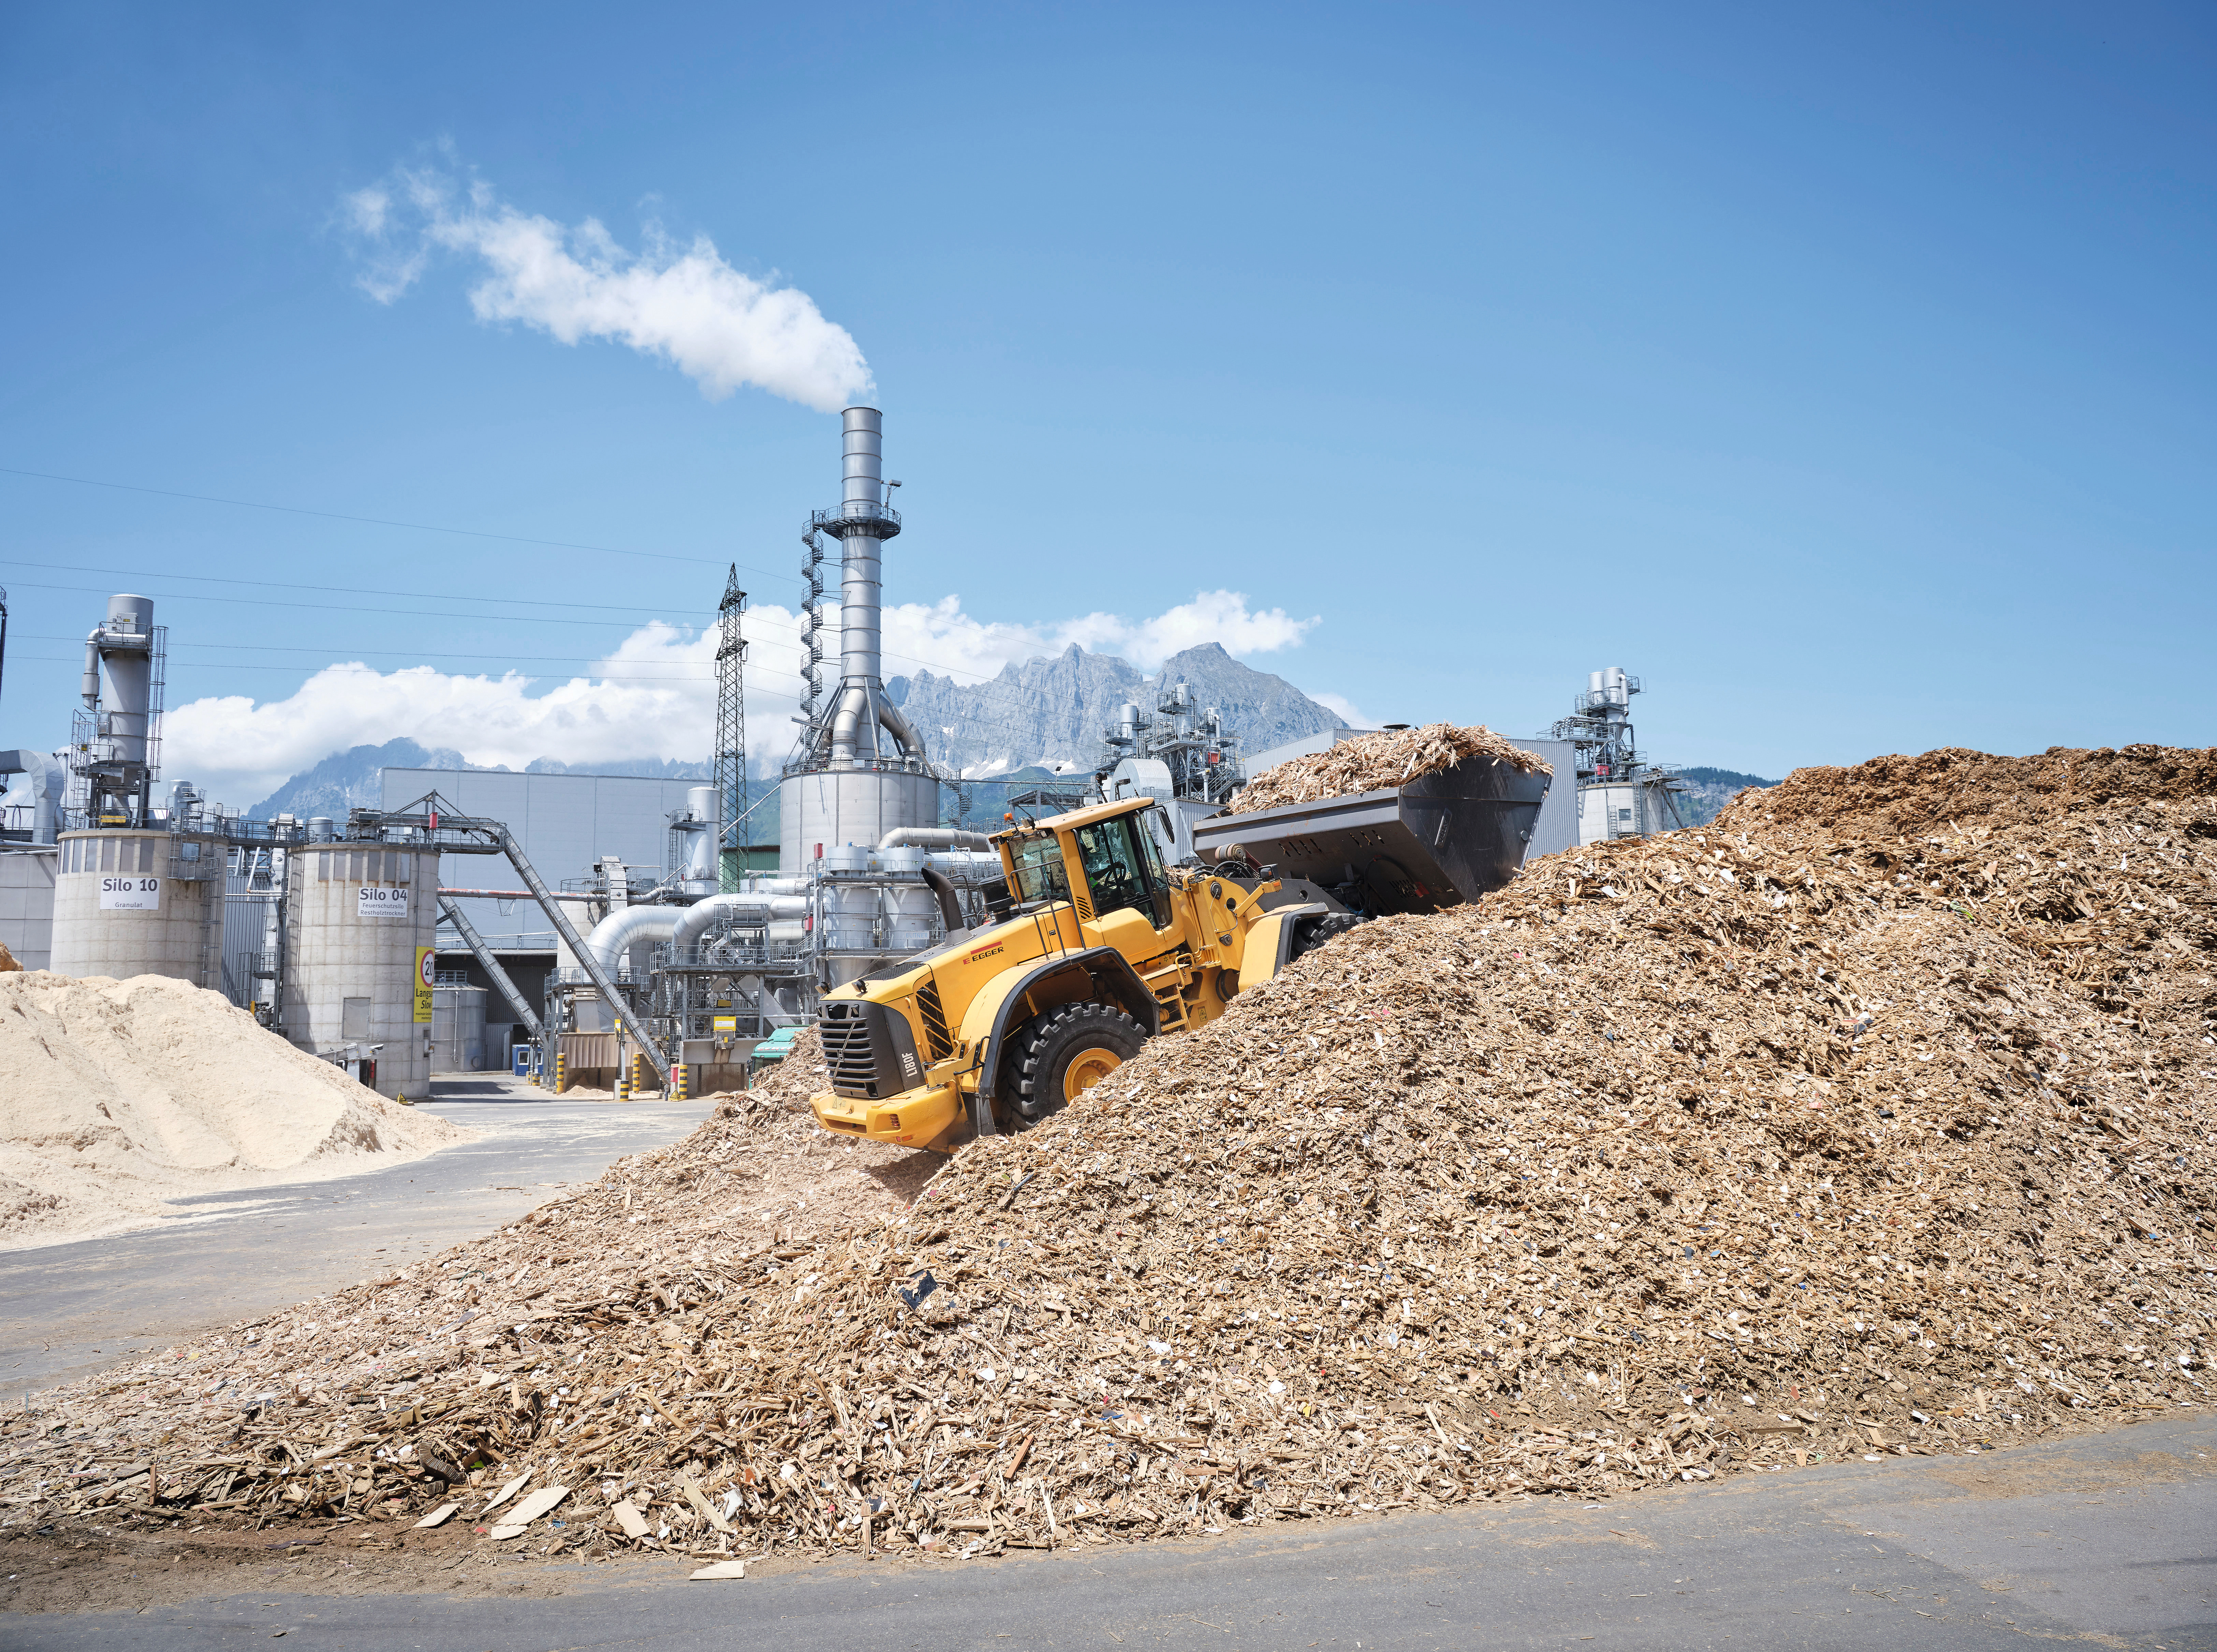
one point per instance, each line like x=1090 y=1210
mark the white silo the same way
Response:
x=122 y=907
x=360 y=923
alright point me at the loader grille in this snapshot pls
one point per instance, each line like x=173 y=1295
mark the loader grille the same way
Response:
x=847 y=1048
x=935 y=1035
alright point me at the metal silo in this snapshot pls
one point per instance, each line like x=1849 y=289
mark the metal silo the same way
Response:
x=359 y=930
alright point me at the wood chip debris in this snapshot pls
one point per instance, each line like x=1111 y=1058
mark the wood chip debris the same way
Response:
x=1379 y=763
x=1841 y=1112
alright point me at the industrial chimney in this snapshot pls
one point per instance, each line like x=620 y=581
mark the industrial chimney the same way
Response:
x=860 y=769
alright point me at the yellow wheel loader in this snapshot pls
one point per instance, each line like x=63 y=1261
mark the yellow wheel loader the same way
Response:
x=1095 y=944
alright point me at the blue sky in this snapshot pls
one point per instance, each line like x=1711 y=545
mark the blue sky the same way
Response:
x=1845 y=375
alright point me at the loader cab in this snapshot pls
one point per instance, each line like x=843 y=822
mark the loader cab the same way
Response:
x=1105 y=866
x=1121 y=866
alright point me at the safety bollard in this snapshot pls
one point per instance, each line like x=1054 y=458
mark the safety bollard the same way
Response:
x=679 y=1074
x=561 y=1071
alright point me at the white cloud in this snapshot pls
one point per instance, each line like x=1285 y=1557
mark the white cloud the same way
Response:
x=934 y=636
x=654 y=695
x=682 y=304
x=1349 y=712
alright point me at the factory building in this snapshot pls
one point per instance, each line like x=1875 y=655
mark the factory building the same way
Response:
x=1620 y=793
x=396 y=943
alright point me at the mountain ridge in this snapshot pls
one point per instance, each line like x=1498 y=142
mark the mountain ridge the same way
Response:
x=1051 y=710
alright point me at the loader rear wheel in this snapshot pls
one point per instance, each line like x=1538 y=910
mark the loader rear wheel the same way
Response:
x=1064 y=1054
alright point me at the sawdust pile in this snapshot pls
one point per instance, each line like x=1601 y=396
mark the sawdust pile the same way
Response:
x=7 y=964
x=1377 y=763
x=1765 y=1144
x=117 y=1097
x=801 y=1073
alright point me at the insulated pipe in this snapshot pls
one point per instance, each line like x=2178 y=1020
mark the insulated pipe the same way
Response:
x=758 y=886
x=45 y=779
x=853 y=701
x=967 y=863
x=614 y=936
x=695 y=920
x=901 y=728
x=933 y=837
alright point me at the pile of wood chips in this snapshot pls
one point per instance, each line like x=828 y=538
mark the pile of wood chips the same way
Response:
x=1378 y=762
x=1800 y=1137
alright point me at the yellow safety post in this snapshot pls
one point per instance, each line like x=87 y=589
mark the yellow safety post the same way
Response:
x=561 y=1070
x=679 y=1072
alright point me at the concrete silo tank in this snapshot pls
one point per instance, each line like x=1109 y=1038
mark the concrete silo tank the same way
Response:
x=122 y=908
x=360 y=923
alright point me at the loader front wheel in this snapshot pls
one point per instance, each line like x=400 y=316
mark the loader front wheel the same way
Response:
x=1064 y=1054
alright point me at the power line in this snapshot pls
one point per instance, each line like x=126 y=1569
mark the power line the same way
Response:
x=984 y=679
x=675 y=675
x=326 y=608
x=288 y=585
x=373 y=521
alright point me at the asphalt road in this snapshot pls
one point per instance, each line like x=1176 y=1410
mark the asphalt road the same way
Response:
x=67 y=1311
x=2110 y=1540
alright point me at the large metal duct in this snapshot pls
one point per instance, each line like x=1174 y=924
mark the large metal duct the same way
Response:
x=43 y=779
x=614 y=936
x=697 y=920
x=933 y=837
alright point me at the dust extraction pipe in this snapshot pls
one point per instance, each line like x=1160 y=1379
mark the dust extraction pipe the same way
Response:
x=695 y=920
x=933 y=837
x=45 y=777
x=614 y=936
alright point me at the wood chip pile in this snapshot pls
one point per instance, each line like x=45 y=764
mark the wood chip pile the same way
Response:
x=1783 y=1140
x=1927 y=793
x=1379 y=763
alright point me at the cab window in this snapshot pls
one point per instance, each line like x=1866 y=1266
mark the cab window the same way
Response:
x=1115 y=871
x=1036 y=870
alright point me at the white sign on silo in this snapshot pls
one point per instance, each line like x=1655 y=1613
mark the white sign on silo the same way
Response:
x=375 y=901
x=131 y=894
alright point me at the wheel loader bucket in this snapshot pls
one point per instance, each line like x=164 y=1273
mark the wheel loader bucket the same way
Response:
x=1443 y=839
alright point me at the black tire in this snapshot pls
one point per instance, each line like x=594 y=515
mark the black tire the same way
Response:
x=1063 y=1053
x=1309 y=934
